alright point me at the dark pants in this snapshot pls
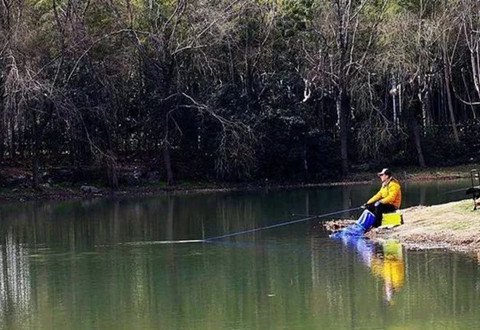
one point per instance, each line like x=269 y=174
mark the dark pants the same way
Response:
x=379 y=210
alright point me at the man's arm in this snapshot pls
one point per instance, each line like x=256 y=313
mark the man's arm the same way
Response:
x=375 y=198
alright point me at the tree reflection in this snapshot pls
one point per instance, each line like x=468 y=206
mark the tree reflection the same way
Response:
x=15 y=289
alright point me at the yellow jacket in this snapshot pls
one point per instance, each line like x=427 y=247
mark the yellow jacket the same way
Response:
x=389 y=193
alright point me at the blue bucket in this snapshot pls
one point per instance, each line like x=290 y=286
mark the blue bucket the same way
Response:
x=366 y=220
x=351 y=231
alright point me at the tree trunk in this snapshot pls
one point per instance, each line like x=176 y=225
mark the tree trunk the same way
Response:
x=112 y=174
x=35 y=153
x=2 y=139
x=449 y=97
x=423 y=98
x=465 y=85
x=395 y=117
x=168 y=165
x=400 y=103
x=13 y=140
x=342 y=112
x=305 y=160
x=418 y=145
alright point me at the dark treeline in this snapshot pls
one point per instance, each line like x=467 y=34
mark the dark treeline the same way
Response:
x=238 y=89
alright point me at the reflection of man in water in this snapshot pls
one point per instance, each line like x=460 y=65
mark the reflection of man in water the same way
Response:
x=387 y=263
x=390 y=267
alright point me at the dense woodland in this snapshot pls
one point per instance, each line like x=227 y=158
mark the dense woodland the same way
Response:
x=239 y=89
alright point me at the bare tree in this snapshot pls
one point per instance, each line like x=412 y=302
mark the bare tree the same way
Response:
x=347 y=33
x=469 y=14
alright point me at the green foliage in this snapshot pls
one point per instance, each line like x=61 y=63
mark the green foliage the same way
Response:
x=299 y=13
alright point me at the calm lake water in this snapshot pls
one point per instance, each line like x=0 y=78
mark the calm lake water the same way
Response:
x=98 y=265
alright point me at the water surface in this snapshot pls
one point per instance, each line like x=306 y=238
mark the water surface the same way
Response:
x=96 y=264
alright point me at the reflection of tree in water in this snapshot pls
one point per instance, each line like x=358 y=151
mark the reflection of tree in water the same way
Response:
x=15 y=290
x=385 y=261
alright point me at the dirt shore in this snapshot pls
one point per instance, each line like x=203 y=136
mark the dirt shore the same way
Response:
x=454 y=226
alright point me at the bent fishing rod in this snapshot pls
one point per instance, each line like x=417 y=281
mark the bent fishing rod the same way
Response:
x=248 y=231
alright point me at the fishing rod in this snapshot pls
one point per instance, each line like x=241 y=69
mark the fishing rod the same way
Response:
x=281 y=224
x=309 y=217
x=321 y=215
x=453 y=191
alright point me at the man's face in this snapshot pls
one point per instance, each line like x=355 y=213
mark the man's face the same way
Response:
x=383 y=177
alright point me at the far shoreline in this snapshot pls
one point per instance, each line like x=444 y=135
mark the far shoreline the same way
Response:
x=66 y=191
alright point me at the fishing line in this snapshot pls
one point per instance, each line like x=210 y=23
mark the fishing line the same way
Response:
x=280 y=224
x=454 y=191
x=286 y=223
x=165 y=242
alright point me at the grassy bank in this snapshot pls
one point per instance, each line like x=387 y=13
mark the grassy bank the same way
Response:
x=453 y=226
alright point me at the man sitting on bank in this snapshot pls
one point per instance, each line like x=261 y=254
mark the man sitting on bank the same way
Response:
x=387 y=199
